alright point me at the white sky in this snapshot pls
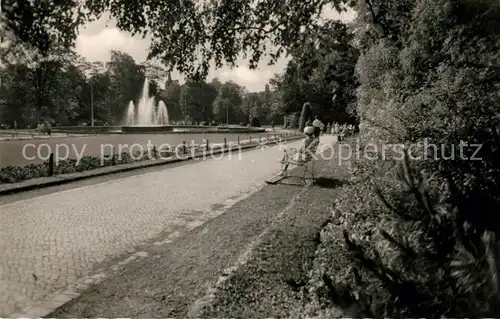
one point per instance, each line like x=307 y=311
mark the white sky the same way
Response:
x=97 y=39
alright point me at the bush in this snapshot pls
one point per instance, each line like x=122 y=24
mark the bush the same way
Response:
x=292 y=121
x=407 y=252
x=427 y=245
x=14 y=174
x=255 y=122
x=43 y=128
x=305 y=116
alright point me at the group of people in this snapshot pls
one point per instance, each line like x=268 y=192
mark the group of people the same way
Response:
x=341 y=131
x=334 y=128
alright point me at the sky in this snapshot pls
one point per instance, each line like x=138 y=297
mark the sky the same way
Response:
x=97 y=39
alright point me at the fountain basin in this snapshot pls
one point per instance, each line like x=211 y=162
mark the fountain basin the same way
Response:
x=189 y=129
x=147 y=128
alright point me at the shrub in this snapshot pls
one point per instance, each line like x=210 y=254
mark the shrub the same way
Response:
x=14 y=174
x=432 y=75
x=255 y=122
x=408 y=251
x=305 y=116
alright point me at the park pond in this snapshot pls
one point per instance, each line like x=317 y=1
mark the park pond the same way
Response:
x=36 y=151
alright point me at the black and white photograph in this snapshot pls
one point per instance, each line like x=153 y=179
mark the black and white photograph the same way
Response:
x=249 y=159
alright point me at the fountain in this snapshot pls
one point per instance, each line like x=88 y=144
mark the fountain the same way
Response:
x=147 y=114
x=162 y=114
x=131 y=113
x=149 y=117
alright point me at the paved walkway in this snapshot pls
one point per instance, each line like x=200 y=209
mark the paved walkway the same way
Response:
x=50 y=241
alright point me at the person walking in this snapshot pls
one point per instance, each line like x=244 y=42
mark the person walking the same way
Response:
x=336 y=131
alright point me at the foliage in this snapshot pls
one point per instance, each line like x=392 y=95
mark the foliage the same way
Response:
x=195 y=101
x=442 y=86
x=218 y=31
x=258 y=105
x=292 y=120
x=321 y=72
x=412 y=255
x=425 y=69
x=42 y=25
x=255 y=122
x=14 y=174
x=227 y=104
x=427 y=246
x=62 y=89
x=323 y=69
x=170 y=96
x=305 y=115
x=126 y=82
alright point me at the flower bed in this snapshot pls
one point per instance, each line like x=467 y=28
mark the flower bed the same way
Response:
x=14 y=174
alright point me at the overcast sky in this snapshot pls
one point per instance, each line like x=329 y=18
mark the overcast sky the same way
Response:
x=97 y=39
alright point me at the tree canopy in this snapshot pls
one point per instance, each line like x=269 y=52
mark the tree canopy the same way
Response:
x=203 y=32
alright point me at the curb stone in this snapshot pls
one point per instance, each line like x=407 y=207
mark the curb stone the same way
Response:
x=36 y=183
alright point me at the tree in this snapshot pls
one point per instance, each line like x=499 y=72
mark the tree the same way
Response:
x=252 y=106
x=277 y=106
x=219 y=31
x=95 y=97
x=227 y=105
x=170 y=96
x=322 y=72
x=16 y=94
x=70 y=84
x=216 y=83
x=127 y=79
x=305 y=115
x=40 y=26
x=195 y=101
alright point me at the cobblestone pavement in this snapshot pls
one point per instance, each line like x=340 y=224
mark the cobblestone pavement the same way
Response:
x=50 y=241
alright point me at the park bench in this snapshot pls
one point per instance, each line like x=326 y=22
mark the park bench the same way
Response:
x=306 y=162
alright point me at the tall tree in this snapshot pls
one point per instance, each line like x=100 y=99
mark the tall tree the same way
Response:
x=17 y=97
x=227 y=105
x=195 y=101
x=322 y=72
x=170 y=96
x=127 y=79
